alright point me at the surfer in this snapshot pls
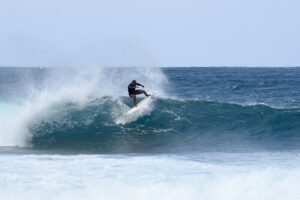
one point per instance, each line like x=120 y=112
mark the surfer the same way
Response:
x=132 y=91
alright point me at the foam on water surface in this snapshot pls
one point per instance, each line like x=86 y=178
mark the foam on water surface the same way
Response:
x=263 y=176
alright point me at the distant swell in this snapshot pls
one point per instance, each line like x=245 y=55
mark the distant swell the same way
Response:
x=172 y=126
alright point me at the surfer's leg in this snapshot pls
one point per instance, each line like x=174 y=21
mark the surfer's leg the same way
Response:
x=134 y=100
x=145 y=93
x=142 y=92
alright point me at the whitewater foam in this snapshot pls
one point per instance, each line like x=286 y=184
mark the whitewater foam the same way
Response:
x=124 y=118
x=150 y=177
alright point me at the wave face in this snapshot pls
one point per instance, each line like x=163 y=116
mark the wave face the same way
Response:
x=171 y=126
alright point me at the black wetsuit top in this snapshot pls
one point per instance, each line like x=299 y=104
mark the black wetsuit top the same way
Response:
x=131 y=88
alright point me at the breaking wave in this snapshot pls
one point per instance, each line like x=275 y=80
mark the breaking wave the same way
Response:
x=169 y=126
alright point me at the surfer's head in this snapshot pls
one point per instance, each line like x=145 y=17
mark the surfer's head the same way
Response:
x=134 y=81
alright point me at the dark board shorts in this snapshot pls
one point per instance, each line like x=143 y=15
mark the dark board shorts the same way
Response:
x=136 y=92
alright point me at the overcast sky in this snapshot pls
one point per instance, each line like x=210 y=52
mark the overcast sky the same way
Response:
x=150 y=32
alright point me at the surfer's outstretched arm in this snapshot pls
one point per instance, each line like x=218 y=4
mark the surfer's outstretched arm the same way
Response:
x=139 y=84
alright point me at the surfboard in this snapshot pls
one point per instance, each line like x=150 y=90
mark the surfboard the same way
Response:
x=141 y=104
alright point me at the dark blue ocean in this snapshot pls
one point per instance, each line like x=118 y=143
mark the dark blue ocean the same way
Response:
x=209 y=133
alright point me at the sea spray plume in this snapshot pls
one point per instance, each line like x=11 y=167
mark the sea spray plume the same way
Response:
x=109 y=81
x=55 y=90
x=60 y=86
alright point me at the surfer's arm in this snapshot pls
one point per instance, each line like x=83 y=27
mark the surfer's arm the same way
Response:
x=139 y=84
